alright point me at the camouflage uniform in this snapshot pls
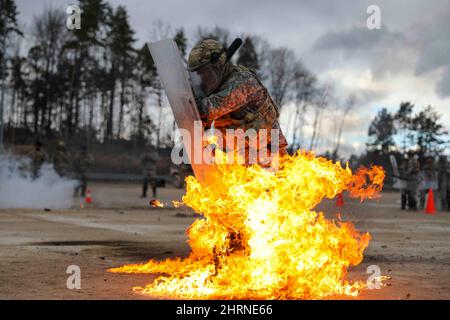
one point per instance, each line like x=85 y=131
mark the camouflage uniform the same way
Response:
x=61 y=159
x=148 y=164
x=233 y=97
x=239 y=101
x=444 y=181
x=403 y=191
x=428 y=175
x=82 y=163
x=413 y=183
x=38 y=157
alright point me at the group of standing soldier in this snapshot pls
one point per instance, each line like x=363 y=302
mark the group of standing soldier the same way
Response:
x=63 y=163
x=78 y=166
x=420 y=177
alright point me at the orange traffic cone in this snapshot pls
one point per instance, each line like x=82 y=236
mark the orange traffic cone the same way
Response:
x=340 y=200
x=430 y=208
x=88 y=198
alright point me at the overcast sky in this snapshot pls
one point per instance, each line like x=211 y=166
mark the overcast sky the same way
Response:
x=407 y=60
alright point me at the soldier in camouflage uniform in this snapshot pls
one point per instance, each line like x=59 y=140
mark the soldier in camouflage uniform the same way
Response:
x=148 y=164
x=413 y=182
x=444 y=180
x=38 y=157
x=61 y=159
x=403 y=191
x=428 y=174
x=231 y=95
x=82 y=163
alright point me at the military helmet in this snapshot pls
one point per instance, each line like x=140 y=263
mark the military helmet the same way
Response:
x=206 y=65
x=206 y=52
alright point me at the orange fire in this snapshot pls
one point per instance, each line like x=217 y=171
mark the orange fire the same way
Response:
x=156 y=203
x=259 y=238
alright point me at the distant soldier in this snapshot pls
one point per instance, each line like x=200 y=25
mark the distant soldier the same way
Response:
x=413 y=182
x=148 y=164
x=61 y=159
x=428 y=177
x=38 y=157
x=82 y=163
x=403 y=190
x=443 y=176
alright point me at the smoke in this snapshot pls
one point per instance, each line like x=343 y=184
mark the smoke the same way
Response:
x=19 y=190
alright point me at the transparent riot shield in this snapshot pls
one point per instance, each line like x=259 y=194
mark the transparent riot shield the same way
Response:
x=175 y=80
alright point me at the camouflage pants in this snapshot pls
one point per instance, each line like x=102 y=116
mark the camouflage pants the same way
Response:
x=145 y=183
x=82 y=186
x=445 y=197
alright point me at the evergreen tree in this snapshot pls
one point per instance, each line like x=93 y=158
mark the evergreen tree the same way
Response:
x=181 y=41
x=403 y=119
x=8 y=25
x=381 y=132
x=429 y=132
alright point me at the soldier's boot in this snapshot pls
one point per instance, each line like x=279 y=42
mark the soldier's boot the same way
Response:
x=403 y=200
x=83 y=187
x=412 y=203
x=448 y=201
x=443 y=205
x=422 y=199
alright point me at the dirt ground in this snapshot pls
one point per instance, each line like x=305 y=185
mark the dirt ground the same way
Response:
x=37 y=246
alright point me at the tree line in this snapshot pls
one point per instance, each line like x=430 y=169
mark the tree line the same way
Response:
x=98 y=84
x=407 y=132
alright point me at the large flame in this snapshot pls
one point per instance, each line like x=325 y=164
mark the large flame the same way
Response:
x=259 y=238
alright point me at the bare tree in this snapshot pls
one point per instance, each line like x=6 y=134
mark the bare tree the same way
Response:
x=304 y=91
x=160 y=30
x=281 y=73
x=48 y=32
x=217 y=33
x=262 y=48
x=346 y=109
x=323 y=95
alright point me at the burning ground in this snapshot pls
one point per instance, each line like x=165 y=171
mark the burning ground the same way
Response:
x=37 y=246
x=259 y=237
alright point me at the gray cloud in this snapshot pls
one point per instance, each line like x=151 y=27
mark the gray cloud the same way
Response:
x=365 y=96
x=384 y=51
x=443 y=85
x=434 y=40
x=358 y=39
x=434 y=55
x=416 y=47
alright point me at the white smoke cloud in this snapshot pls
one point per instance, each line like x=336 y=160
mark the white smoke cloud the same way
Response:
x=19 y=190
